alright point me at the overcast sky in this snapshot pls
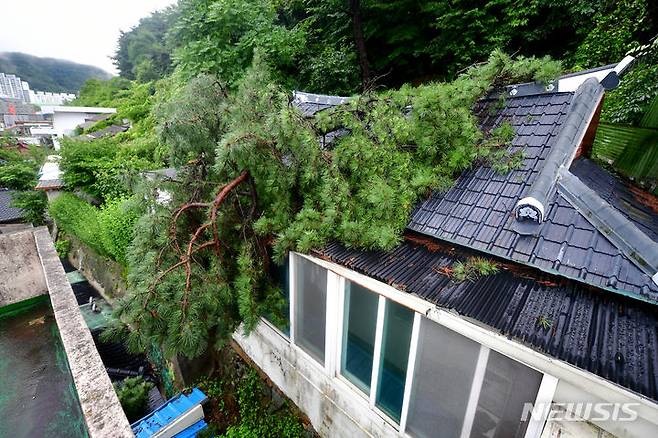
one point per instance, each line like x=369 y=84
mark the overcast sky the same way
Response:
x=84 y=31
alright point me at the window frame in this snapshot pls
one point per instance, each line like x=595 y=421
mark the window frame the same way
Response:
x=334 y=324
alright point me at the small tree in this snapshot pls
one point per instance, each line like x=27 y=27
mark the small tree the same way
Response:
x=133 y=394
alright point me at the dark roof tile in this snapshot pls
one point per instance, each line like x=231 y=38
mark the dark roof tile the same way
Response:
x=7 y=212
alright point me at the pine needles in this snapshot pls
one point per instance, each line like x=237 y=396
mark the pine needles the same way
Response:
x=199 y=267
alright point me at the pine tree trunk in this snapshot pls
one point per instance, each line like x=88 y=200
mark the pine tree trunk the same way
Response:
x=360 y=42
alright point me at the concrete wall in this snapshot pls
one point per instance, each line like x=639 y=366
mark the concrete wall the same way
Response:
x=334 y=408
x=21 y=276
x=65 y=123
x=104 y=274
x=100 y=406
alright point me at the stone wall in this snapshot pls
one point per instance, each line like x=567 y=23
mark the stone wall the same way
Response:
x=106 y=275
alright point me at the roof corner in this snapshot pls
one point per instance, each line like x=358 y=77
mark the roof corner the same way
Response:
x=616 y=227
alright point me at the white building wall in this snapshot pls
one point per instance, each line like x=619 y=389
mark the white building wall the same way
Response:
x=336 y=409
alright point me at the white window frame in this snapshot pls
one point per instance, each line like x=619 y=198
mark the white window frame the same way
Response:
x=337 y=276
x=293 y=323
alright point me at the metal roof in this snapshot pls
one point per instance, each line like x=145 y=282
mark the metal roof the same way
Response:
x=8 y=213
x=609 y=335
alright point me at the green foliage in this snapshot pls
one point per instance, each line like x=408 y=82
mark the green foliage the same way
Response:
x=399 y=145
x=219 y=37
x=133 y=395
x=544 y=322
x=116 y=220
x=143 y=52
x=63 y=246
x=616 y=30
x=48 y=74
x=33 y=203
x=108 y=167
x=78 y=218
x=107 y=230
x=639 y=87
x=104 y=93
x=473 y=268
x=256 y=421
x=20 y=173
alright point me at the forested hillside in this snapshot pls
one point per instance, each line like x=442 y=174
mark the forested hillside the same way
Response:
x=49 y=74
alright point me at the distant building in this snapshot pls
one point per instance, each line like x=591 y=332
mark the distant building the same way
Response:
x=12 y=87
x=47 y=98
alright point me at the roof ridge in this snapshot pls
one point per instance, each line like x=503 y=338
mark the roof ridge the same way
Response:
x=533 y=206
x=616 y=227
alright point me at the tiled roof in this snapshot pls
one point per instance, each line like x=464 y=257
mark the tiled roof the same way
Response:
x=309 y=103
x=609 y=335
x=478 y=211
x=8 y=213
x=49 y=184
x=639 y=207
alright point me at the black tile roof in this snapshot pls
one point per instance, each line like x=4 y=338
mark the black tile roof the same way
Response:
x=638 y=206
x=478 y=211
x=8 y=213
x=609 y=335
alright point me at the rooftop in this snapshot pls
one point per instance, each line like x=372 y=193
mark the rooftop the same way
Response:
x=7 y=212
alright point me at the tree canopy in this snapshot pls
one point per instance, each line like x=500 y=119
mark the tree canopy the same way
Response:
x=256 y=183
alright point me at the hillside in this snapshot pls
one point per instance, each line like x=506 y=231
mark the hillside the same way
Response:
x=49 y=74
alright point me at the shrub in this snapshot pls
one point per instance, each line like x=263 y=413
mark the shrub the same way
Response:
x=117 y=222
x=107 y=230
x=33 y=203
x=133 y=395
x=63 y=247
x=79 y=218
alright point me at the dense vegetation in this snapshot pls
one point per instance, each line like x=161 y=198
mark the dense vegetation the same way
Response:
x=48 y=74
x=19 y=172
x=343 y=46
x=206 y=86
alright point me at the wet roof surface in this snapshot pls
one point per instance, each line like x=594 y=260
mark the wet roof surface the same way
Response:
x=638 y=206
x=607 y=334
x=478 y=211
x=8 y=213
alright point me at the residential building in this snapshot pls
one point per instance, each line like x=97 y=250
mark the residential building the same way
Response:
x=67 y=118
x=12 y=87
x=391 y=344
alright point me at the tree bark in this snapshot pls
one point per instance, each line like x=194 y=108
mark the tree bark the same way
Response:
x=360 y=42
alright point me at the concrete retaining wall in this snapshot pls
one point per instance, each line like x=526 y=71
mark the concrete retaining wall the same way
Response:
x=104 y=274
x=21 y=276
x=100 y=405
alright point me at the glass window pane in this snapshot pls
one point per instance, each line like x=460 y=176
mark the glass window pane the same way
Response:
x=507 y=386
x=279 y=315
x=398 y=322
x=311 y=307
x=360 y=324
x=443 y=374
